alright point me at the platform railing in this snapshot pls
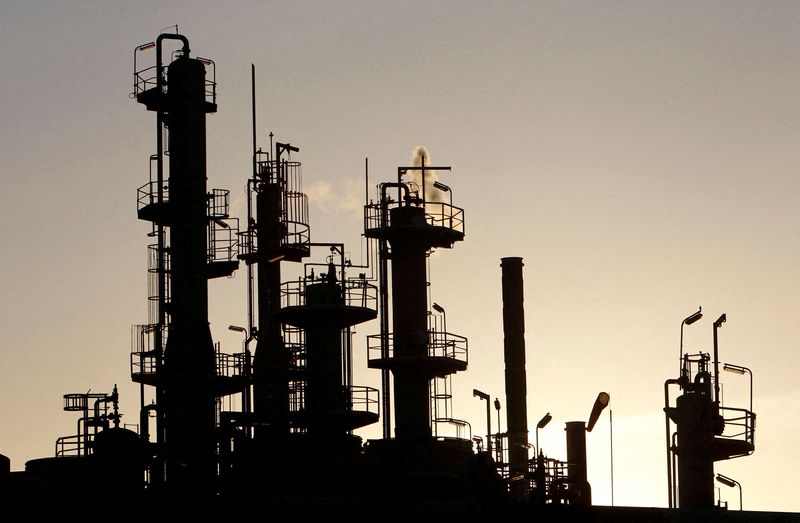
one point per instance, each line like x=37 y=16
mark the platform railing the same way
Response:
x=437 y=214
x=440 y=345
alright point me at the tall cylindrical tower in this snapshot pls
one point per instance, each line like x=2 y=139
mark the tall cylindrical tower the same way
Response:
x=410 y=324
x=326 y=405
x=270 y=365
x=278 y=231
x=695 y=416
x=413 y=226
x=175 y=352
x=514 y=350
x=189 y=364
x=579 y=488
x=700 y=437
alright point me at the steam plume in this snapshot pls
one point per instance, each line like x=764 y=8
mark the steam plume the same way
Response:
x=432 y=194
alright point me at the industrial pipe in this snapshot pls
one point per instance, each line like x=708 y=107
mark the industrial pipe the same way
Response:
x=515 y=375
x=576 y=463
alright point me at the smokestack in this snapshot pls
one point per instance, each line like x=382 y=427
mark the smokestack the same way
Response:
x=514 y=349
x=576 y=463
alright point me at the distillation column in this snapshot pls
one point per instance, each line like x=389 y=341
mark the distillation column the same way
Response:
x=195 y=242
x=413 y=226
x=324 y=310
x=189 y=364
x=277 y=232
x=700 y=437
x=410 y=324
x=270 y=365
x=697 y=423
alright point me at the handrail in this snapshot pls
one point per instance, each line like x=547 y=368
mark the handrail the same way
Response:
x=361 y=396
x=144 y=351
x=440 y=345
x=147 y=194
x=223 y=239
x=357 y=293
x=144 y=356
x=297 y=236
x=437 y=214
x=297 y=391
x=230 y=365
x=144 y=79
x=218 y=203
x=72 y=445
x=745 y=421
x=147 y=78
x=458 y=424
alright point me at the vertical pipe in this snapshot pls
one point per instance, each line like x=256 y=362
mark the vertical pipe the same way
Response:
x=157 y=472
x=576 y=459
x=515 y=375
x=611 y=446
x=250 y=319
x=670 y=450
x=386 y=397
x=488 y=426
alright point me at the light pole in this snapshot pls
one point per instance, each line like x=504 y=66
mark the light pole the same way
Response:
x=738 y=369
x=688 y=321
x=725 y=480
x=599 y=404
x=542 y=424
x=487 y=398
x=717 y=325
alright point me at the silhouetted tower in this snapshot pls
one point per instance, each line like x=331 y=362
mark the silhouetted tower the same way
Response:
x=516 y=376
x=706 y=431
x=324 y=402
x=579 y=490
x=278 y=231
x=414 y=224
x=195 y=241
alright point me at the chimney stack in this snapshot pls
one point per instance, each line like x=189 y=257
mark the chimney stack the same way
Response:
x=514 y=349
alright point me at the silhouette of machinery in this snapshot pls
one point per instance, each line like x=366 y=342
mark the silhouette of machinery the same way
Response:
x=279 y=424
x=195 y=241
x=706 y=431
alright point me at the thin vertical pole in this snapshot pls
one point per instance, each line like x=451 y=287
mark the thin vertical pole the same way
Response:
x=489 y=425
x=250 y=319
x=611 y=439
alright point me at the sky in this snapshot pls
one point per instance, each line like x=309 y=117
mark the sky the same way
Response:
x=639 y=156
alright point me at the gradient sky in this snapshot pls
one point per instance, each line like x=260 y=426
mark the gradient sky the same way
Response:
x=640 y=156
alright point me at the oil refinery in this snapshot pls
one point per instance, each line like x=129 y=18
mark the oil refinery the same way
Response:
x=271 y=429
